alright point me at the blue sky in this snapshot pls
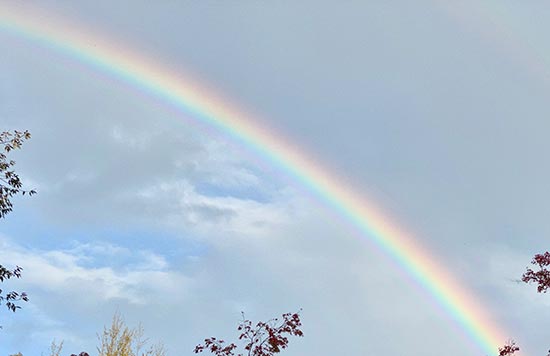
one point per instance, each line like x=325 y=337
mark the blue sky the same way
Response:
x=437 y=111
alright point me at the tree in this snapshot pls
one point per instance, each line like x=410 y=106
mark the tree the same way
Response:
x=120 y=340
x=262 y=339
x=10 y=183
x=540 y=276
x=10 y=186
x=55 y=348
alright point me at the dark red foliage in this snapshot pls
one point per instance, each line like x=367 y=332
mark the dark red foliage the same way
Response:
x=508 y=349
x=216 y=347
x=262 y=339
x=542 y=276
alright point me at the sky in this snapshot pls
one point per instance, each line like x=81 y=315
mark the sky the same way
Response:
x=437 y=112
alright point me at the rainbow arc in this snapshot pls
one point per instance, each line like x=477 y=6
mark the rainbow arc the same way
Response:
x=189 y=97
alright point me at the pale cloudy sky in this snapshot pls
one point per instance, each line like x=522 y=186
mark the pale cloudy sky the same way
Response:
x=437 y=111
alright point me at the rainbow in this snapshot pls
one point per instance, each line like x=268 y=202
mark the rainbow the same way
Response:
x=187 y=96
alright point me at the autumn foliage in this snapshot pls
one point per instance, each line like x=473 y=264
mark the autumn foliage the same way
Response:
x=509 y=349
x=261 y=339
x=542 y=278
x=121 y=340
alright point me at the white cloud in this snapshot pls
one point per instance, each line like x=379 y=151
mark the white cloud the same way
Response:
x=213 y=215
x=62 y=271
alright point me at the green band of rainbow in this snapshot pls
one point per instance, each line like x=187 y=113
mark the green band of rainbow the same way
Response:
x=203 y=105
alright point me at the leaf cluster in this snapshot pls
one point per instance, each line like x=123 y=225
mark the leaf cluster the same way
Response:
x=11 y=297
x=10 y=183
x=508 y=349
x=261 y=339
x=542 y=276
